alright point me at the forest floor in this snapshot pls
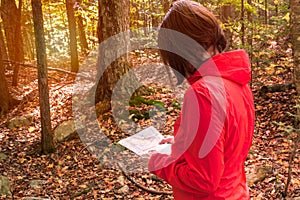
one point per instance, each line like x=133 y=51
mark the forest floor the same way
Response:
x=74 y=173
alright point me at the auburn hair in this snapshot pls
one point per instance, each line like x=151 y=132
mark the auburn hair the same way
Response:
x=196 y=22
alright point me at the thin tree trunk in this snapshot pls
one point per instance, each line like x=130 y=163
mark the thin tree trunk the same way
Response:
x=227 y=13
x=19 y=54
x=5 y=96
x=291 y=161
x=2 y=45
x=166 y=5
x=47 y=137
x=243 y=22
x=266 y=11
x=72 y=32
x=295 y=35
x=82 y=36
x=29 y=45
x=250 y=35
x=99 y=35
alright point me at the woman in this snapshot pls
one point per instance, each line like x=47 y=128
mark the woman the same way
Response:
x=214 y=132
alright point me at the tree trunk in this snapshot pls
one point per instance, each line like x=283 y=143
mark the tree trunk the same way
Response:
x=11 y=16
x=5 y=97
x=82 y=36
x=3 y=50
x=243 y=22
x=19 y=44
x=9 y=12
x=73 y=39
x=166 y=5
x=277 y=88
x=266 y=11
x=114 y=19
x=47 y=137
x=83 y=41
x=99 y=23
x=250 y=30
x=227 y=13
x=295 y=33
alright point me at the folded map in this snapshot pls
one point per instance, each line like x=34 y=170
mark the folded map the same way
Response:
x=146 y=140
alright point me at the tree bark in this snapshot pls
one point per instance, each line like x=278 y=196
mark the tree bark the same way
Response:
x=82 y=36
x=5 y=97
x=250 y=30
x=113 y=19
x=73 y=39
x=11 y=16
x=227 y=13
x=3 y=50
x=266 y=11
x=19 y=44
x=47 y=144
x=277 y=88
x=166 y=5
x=6 y=100
x=295 y=33
x=243 y=22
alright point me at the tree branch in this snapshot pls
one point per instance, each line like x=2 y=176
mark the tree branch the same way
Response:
x=49 y=68
x=141 y=186
x=277 y=88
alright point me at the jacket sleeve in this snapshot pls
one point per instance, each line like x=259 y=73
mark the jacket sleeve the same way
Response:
x=184 y=168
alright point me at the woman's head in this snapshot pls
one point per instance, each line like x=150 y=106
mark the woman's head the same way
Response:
x=196 y=22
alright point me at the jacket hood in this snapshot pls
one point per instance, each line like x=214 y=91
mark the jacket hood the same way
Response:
x=234 y=66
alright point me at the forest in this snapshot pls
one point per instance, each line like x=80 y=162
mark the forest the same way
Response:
x=63 y=108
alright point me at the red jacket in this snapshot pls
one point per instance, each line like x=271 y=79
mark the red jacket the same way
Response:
x=213 y=134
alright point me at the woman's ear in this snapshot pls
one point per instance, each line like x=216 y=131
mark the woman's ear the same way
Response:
x=213 y=50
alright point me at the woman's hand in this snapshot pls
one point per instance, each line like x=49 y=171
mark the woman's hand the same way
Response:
x=144 y=159
x=167 y=140
x=149 y=154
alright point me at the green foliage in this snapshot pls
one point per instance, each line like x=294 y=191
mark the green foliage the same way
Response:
x=143 y=108
x=260 y=38
x=148 y=14
x=56 y=28
x=293 y=134
x=288 y=128
x=138 y=102
x=176 y=104
x=145 y=17
x=283 y=127
x=145 y=13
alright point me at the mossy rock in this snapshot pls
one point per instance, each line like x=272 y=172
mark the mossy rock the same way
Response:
x=4 y=186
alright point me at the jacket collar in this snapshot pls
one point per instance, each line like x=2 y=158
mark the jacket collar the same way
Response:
x=233 y=65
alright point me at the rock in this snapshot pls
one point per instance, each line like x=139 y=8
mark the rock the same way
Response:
x=19 y=122
x=123 y=190
x=36 y=183
x=2 y=156
x=121 y=180
x=66 y=131
x=260 y=174
x=4 y=186
x=34 y=198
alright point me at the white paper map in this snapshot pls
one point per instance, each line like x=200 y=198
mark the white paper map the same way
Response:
x=145 y=141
